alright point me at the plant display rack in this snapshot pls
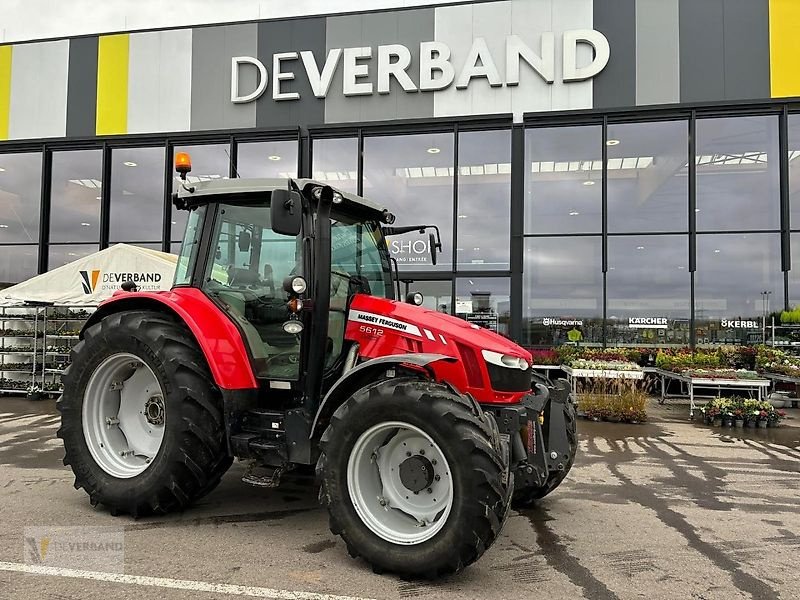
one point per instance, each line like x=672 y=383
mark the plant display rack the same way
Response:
x=574 y=374
x=35 y=344
x=21 y=356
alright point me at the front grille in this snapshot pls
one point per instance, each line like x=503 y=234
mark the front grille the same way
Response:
x=505 y=379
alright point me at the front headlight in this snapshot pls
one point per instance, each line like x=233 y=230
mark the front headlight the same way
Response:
x=505 y=360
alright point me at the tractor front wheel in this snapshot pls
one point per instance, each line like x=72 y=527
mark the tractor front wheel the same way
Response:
x=413 y=477
x=141 y=418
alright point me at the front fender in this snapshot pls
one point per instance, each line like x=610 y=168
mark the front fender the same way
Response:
x=218 y=337
x=339 y=391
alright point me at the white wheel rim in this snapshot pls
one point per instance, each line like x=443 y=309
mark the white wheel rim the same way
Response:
x=123 y=415
x=381 y=496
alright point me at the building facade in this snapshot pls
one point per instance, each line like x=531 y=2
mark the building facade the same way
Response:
x=620 y=172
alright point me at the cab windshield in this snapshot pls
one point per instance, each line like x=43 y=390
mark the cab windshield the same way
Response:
x=358 y=250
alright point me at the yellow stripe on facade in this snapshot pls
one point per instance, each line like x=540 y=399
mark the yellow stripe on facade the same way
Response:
x=784 y=47
x=112 y=84
x=5 y=90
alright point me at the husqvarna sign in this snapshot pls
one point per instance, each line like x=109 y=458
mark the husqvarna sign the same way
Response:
x=437 y=70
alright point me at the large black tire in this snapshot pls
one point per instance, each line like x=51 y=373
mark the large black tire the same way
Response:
x=193 y=456
x=527 y=497
x=468 y=438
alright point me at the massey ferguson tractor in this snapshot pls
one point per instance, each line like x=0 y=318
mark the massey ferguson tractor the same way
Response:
x=284 y=344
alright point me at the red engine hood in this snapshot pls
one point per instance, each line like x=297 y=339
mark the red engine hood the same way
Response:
x=437 y=324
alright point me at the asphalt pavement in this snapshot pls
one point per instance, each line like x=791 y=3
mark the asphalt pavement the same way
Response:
x=668 y=509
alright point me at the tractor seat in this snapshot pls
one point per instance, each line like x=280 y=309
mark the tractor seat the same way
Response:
x=242 y=277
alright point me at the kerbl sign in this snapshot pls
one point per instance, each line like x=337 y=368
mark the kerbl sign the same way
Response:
x=436 y=69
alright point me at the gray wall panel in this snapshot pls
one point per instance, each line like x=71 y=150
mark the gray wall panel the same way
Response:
x=212 y=50
x=616 y=84
x=657 y=52
x=404 y=27
x=702 y=50
x=288 y=36
x=82 y=87
x=746 y=49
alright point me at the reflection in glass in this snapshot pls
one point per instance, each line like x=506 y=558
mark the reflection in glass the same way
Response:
x=794 y=272
x=484 y=200
x=562 y=293
x=75 y=196
x=648 y=184
x=18 y=263
x=137 y=194
x=438 y=295
x=484 y=301
x=20 y=195
x=335 y=162
x=267 y=159
x=648 y=291
x=412 y=175
x=209 y=162
x=737 y=174
x=738 y=281
x=794 y=172
x=563 y=180
x=61 y=254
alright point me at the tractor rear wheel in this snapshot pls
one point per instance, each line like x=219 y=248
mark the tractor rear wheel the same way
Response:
x=527 y=497
x=141 y=418
x=414 y=478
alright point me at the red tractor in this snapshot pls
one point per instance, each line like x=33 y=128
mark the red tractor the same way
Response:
x=283 y=343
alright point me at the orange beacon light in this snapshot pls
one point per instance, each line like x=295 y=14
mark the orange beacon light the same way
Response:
x=183 y=164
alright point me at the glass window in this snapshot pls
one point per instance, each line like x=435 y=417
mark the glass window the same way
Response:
x=187 y=250
x=563 y=182
x=355 y=253
x=737 y=174
x=75 y=196
x=562 y=293
x=18 y=263
x=794 y=171
x=648 y=183
x=412 y=175
x=20 y=196
x=648 y=290
x=484 y=301
x=437 y=295
x=61 y=254
x=794 y=273
x=210 y=161
x=738 y=281
x=484 y=200
x=335 y=162
x=267 y=159
x=137 y=195
x=250 y=263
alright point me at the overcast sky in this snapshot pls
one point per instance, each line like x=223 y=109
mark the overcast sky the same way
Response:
x=22 y=20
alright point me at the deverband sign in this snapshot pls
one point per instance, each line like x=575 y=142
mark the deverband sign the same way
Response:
x=437 y=70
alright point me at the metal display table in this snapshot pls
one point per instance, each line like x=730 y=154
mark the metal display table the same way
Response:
x=779 y=377
x=574 y=374
x=547 y=369
x=690 y=383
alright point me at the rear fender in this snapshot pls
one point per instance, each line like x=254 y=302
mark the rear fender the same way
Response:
x=216 y=335
x=367 y=371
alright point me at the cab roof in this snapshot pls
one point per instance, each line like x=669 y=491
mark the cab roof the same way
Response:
x=214 y=187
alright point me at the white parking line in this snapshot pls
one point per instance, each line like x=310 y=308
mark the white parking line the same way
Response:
x=175 y=584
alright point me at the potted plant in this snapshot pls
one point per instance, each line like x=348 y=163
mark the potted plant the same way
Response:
x=774 y=418
x=34 y=392
x=763 y=417
x=738 y=417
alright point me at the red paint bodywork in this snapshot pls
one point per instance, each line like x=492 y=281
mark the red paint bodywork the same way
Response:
x=448 y=334
x=224 y=348
x=219 y=339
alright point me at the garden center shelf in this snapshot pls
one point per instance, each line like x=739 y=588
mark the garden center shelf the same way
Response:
x=689 y=383
x=781 y=378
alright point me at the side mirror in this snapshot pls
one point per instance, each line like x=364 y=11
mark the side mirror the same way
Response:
x=286 y=212
x=434 y=247
x=244 y=241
